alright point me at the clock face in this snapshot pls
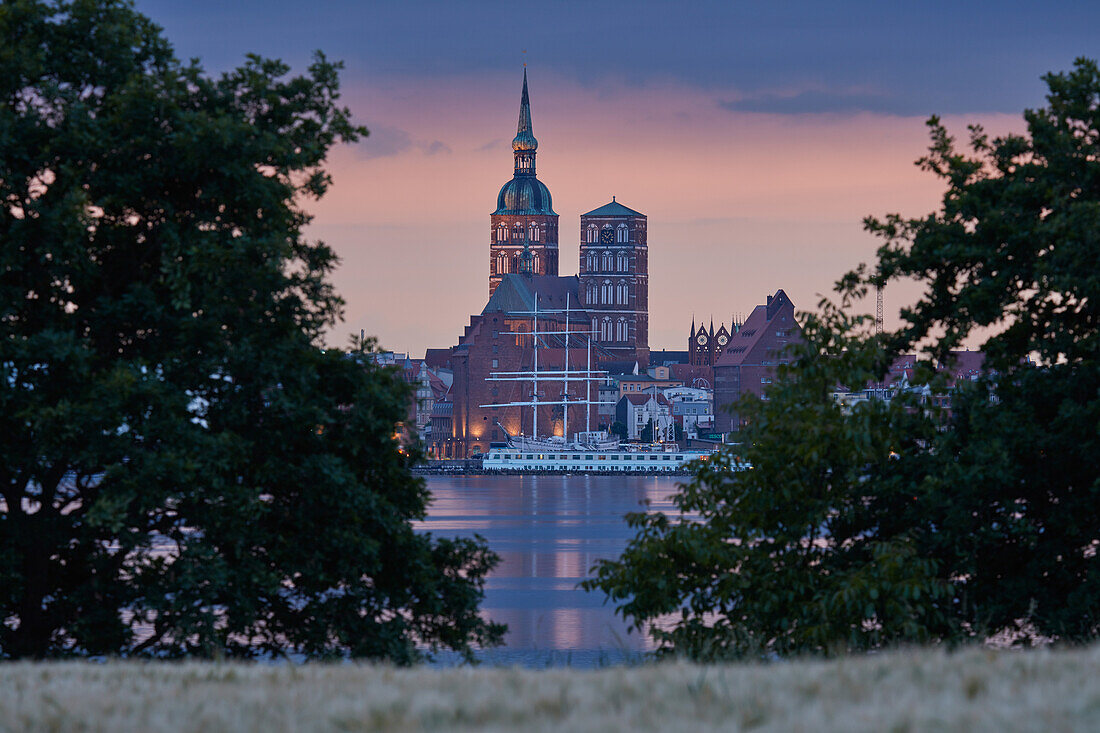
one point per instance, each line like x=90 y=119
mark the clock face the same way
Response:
x=607 y=236
x=702 y=339
x=722 y=340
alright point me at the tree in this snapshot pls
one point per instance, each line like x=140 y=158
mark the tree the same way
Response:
x=894 y=521
x=618 y=428
x=185 y=470
x=1012 y=250
x=783 y=558
x=646 y=436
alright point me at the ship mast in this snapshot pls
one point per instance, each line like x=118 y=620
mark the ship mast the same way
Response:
x=565 y=375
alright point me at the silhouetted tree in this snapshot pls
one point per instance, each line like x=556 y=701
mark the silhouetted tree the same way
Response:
x=183 y=469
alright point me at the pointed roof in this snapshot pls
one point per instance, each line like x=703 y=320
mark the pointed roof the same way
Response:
x=517 y=293
x=525 y=137
x=613 y=209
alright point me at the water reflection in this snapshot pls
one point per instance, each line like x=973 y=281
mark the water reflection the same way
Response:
x=549 y=531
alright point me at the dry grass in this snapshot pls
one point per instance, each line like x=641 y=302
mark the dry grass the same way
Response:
x=905 y=691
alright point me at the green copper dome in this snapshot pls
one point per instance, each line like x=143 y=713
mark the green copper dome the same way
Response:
x=524 y=195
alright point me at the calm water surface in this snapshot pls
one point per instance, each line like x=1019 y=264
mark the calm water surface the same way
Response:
x=549 y=531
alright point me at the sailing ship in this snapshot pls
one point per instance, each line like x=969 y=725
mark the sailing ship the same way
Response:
x=585 y=451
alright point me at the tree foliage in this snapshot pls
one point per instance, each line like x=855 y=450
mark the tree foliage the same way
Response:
x=183 y=469
x=895 y=522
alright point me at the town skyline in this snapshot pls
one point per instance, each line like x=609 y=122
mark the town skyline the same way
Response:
x=755 y=156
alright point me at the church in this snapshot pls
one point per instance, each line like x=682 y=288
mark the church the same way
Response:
x=598 y=317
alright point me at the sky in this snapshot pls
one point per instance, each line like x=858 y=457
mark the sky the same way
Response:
x=756 y=136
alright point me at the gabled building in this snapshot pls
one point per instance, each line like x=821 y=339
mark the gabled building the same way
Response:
x=746 y=365
x=636 y=410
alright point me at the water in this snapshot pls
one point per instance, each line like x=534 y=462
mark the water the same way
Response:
x=549 y=531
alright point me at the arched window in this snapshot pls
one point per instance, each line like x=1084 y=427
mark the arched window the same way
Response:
x=620 y=330
x=606 y=293
x=502 y=233
x=592 y=236
x=502 y=264
x=622 y=262
x=591 y=262
x=606 y=261
x=535 y=264
x=595 y=329
x=605 y=331
x=622 y=293
x=534 y=232
x=623 y=234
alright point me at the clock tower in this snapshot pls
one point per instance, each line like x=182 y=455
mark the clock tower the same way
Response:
x=614 y=279
x=523 y=231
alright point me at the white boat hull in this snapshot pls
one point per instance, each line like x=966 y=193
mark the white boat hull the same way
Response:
x=571 y=461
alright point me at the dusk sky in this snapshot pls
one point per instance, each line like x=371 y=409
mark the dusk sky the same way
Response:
x=755 y=136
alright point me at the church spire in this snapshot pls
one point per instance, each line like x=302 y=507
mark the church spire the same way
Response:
x=524 y=144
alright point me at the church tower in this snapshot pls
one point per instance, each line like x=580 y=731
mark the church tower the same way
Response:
x=523 y=231
x=614 y=279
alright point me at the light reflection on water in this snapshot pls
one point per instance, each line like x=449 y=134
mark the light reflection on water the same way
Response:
x=549 y=531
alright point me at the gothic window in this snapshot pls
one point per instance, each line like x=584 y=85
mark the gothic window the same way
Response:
x=534 y=232
x=592 y=236
x=502 y=264
x=605 y=332
x=622 y=293
x=595 y=329
x=502 y=233
x=606 y=261
x=620 y=330
x=623 y=234
x=591 y=262
x=620 y=262
x=606 y=293
x=535 y=264
x=591 y=293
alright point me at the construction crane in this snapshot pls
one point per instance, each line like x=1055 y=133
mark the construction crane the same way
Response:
x=878 y=309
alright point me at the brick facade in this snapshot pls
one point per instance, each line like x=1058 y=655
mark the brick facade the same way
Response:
x=614 y=279
x=747 y=364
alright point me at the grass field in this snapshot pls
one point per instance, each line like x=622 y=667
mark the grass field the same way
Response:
x=926 y=690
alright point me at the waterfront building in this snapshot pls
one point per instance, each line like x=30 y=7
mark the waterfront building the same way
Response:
x=635 y=411
x=746 y=364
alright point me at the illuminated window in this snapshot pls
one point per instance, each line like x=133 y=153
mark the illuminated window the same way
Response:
x=534 y=232
x=502 y=233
